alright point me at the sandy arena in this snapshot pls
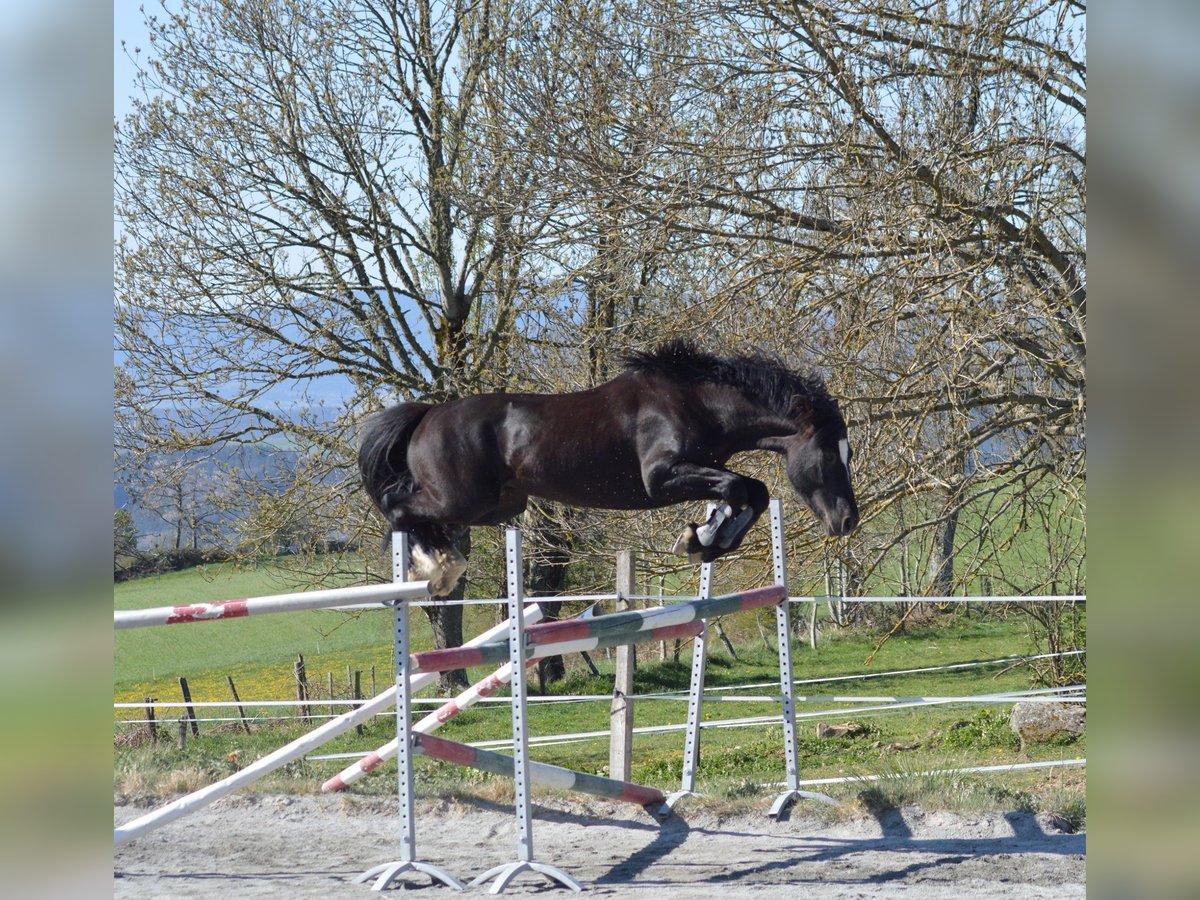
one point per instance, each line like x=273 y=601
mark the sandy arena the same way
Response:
x=306 y=846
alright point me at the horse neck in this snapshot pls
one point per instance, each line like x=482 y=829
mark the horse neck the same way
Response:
x=750 y=426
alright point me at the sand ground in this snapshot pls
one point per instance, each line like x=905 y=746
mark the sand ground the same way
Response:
x=314 y=846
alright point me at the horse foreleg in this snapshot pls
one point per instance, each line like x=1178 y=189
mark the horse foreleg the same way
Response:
x=677 y=482
x=731 y=532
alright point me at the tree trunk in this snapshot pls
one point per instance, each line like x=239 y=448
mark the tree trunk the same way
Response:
x=548 y=575
x=941 y=554
x=941 y=557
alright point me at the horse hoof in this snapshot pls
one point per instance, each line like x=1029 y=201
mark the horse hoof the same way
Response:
x=685 y=545
x=733 y=529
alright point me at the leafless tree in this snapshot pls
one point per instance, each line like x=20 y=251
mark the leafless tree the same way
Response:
x=311 y=205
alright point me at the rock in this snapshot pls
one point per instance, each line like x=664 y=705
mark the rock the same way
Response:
x=1034 y=723
x=847 y=729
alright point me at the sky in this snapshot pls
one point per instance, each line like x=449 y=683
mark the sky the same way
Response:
x=128 y=26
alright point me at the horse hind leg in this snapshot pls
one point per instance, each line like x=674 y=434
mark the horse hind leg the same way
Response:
x=433 y=556
x=435 y=559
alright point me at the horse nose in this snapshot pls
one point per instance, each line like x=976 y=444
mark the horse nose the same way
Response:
x=848 y=524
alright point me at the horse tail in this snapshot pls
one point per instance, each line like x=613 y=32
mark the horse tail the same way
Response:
x=383 y=464
x=383 y=451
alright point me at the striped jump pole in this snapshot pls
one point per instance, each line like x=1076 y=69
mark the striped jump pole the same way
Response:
x=297 y=748
x=472 y=695
x=574 y=635
x=258 y=606
x=432 y=722
x=652 y=799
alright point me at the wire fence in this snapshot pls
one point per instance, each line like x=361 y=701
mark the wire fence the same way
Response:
x=871 y=703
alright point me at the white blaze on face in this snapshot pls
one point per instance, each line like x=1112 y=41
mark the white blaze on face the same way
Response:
x=844 y=452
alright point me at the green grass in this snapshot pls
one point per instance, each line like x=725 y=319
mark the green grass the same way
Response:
x=258 y=652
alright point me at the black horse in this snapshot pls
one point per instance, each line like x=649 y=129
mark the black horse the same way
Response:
x=659 y=433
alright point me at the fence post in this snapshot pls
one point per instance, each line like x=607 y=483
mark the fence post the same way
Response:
x=191 y=713
x=358 y=694
x=303 y=711
x=620 y=748
x=150 y=720
x=238 y=701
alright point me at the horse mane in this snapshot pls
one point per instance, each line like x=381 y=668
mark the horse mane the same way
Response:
x=760 y=376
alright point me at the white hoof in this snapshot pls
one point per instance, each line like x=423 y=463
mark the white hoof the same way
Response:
x=441 y=569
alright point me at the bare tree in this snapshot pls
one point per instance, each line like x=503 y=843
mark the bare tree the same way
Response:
x=891 y=191
x=309 y=208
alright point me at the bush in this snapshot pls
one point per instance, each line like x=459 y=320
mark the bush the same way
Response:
x=986 y=729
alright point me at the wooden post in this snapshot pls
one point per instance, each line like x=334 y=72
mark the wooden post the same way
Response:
x=662 y=645
x=302 y=707
x=331 y=697
x=358 y=694
x=620 y=748
x=183 y=724
x=238 y=701
x=153 y=726
x=191 y=713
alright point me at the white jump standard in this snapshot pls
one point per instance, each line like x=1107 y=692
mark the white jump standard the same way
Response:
x=386 y=872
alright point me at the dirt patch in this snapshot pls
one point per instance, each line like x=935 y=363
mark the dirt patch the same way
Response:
x=314 y=846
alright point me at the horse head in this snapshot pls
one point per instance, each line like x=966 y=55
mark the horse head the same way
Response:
x=818 y=465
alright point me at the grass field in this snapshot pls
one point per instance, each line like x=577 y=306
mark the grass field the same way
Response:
x=259 y=654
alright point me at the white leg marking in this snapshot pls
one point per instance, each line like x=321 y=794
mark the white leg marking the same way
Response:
x=440 y=568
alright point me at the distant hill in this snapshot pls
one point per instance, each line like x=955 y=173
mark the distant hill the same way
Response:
x=253 y=462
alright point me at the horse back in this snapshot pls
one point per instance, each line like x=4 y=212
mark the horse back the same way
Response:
x=580 y=448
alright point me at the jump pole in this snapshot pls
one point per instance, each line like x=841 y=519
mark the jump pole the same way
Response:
x=431 y=723
x=330 y=598
x=651 y=799
x=386 y=872
x=297 y=748
x=574 y=635
x=472 y=695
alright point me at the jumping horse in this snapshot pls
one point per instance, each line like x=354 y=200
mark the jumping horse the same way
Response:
x=659 y=433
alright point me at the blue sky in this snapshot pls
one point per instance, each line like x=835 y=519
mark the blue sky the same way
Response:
x=127 y=26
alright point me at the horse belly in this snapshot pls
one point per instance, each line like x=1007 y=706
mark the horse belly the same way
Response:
x=582 y=473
